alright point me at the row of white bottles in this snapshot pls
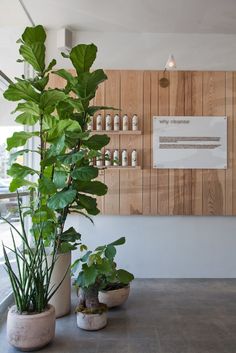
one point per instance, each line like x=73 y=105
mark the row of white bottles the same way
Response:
x=117 y=124
x=114 y=158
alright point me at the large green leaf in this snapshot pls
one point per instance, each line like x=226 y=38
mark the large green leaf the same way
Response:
x=46 y=186
x=46 y=228
x=60 y=178
x=88 y=83
x=124 y=276
x=21 y=90
x=70 y=235
x=76 y=104
x=27 y=119
x=13 y=156
x=90 y=275
x=51 y=98
x=30 y=114
x=71 y=158
x=50 y=65
x=63 y=126
x=92 y=187
x=104 y=267
x=61 y=199
x=19 y=139
x=87 y=201
x=65 y=110
x=20 y=171
x=66 y=75
x=19 y=182
x=34 y=54
x=49 y=121
x=85 y=173
x=110 y=252
x=82 y=57
x=29 y=108
x=39 y=83
x=119 y=241
x=43 y=214
x=34 y=34
x=97 y=142
x=56 y=147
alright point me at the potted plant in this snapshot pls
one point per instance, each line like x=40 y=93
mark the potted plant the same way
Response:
x=116 y=289
x=96 y=269
x=31 y=321
x=64 y=180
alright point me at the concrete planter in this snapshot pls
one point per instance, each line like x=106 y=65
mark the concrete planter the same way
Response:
x=91 y=322
x=61 y=300
x=30 y=332
x=114 y=297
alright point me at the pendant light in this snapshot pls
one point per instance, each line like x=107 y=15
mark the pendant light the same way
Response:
x=170 y=65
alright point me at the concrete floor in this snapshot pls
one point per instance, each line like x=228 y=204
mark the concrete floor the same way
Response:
x=161 y=316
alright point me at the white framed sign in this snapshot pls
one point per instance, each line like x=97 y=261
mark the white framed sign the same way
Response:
x=190 y=142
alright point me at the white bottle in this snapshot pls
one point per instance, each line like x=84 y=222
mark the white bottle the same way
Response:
x=99 y=122
x=125 y=123
x=108 y=122
x=135 y=122
x=107 y=158
x=124 y=158
x=116 y=122
x=90 y=124
x=134 y=158
x=116 y=157
x=99 y=162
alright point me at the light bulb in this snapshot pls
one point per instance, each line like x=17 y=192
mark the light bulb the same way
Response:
x=171 y=63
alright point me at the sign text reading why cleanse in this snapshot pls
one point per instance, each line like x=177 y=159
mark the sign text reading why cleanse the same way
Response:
x=174 y=121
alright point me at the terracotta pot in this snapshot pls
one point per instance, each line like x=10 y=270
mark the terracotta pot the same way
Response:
x=91 y=322
x=114 y=297
x=61 y=300
x=30 y=332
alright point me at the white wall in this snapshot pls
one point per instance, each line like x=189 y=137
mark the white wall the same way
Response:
x=150 y=50
x=166 y=246
x=163 y=246
x=9 y=51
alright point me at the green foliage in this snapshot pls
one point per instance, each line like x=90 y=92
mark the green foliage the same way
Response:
x=97 y=269
x=19 y=139
x=82 y=57
x=31 y=274
x=58 y=118
x=21 y=90
x=61 y=199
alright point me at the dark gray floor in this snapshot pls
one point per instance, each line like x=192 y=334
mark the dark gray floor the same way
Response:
x=161 y=316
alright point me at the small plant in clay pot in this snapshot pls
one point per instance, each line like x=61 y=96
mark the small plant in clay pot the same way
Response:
x=116 y=290
x=97 y=268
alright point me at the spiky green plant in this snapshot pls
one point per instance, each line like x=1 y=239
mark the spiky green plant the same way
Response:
x=30 y=277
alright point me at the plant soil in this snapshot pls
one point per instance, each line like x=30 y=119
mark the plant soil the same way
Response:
x=114 y=286
x=99 y=310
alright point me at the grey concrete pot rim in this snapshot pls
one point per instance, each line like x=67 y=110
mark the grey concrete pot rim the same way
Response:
x=50 y=308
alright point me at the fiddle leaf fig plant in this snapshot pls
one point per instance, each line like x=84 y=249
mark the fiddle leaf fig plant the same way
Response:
x=96 y=270
x=64 y=180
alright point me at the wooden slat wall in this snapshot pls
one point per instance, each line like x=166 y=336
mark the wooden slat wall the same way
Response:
x=168 y=192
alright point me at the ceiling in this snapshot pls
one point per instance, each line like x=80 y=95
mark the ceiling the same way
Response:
x=154 y=16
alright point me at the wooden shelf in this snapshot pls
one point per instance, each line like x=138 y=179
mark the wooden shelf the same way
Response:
x=120 y=132
x=119 y=167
